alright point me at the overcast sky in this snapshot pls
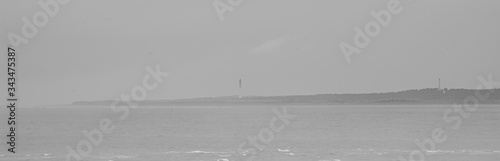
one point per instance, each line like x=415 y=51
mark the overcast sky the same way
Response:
x=97 y=50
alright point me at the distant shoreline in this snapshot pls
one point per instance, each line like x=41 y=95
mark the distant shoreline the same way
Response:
x=428 y=96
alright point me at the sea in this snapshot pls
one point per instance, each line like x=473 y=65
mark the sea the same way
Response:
x=255 y=133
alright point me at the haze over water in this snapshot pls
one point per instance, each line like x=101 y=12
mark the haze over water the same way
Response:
x=336 y=132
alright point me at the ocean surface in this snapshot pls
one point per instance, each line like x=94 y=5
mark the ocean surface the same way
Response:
x=216 y=133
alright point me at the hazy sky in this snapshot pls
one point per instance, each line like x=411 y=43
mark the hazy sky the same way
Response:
x=96 y=50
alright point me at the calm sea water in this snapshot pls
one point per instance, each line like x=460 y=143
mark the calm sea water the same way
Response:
x=317 y=133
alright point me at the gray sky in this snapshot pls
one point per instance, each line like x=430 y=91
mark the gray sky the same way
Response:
x=96 y=50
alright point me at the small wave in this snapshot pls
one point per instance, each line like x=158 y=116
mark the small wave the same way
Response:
x=202 y=152
x=283 y=150
x=474 y=152
x=359 y=151
x=484 y=152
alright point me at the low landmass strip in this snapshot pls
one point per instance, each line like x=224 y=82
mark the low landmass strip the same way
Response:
x=416 y=96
